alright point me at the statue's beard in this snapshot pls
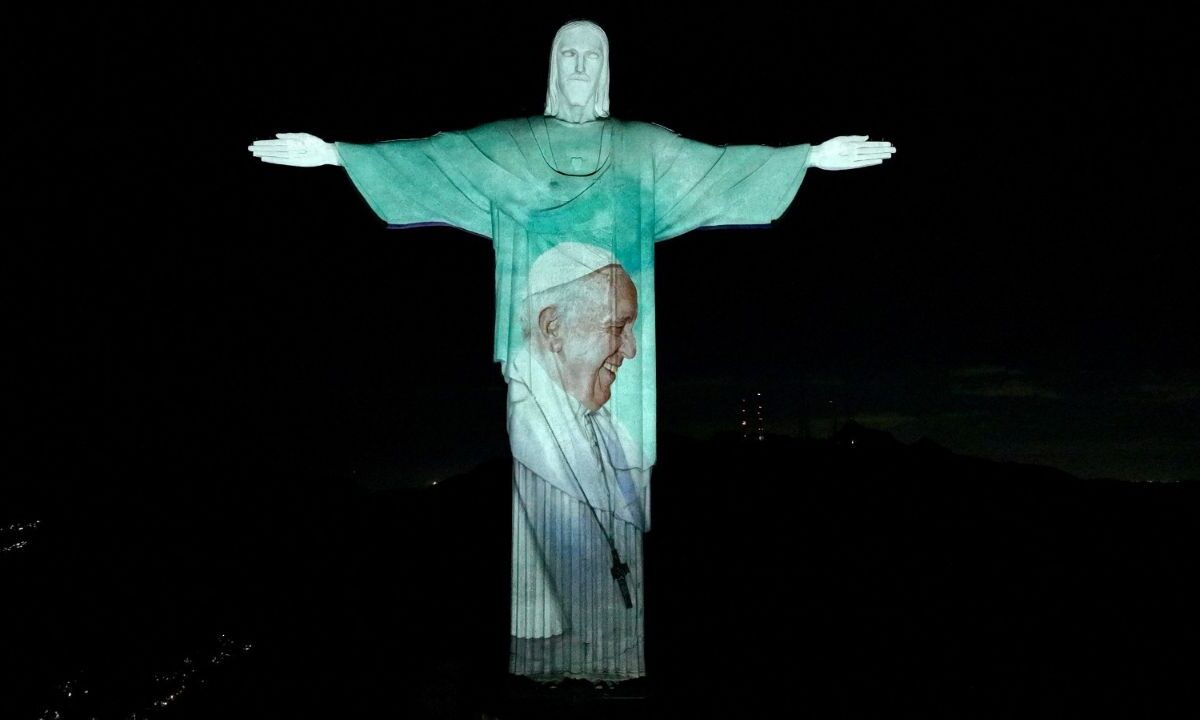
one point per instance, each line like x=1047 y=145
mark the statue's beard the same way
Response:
x=578 y=93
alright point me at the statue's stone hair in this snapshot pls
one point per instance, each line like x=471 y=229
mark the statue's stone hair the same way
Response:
x=600 y=101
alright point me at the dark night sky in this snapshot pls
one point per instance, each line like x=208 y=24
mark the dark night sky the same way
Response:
x=1016 y=284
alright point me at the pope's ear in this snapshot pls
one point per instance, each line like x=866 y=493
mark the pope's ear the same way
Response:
x=548 y=321
x=549 y=324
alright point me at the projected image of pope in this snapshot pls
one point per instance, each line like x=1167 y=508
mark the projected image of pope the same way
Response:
x=579 y=482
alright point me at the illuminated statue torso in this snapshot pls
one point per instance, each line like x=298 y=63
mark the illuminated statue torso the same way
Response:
x=498 y=181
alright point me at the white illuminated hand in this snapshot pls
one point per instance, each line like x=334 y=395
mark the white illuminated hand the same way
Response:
x=295 y=149
x=847 y=152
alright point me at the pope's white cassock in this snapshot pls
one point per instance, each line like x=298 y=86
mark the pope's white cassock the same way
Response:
x=580 y=490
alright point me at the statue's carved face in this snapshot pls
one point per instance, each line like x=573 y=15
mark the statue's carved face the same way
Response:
x=580 y=57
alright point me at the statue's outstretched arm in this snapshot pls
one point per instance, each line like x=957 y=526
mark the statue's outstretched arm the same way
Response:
x=295 y=149
x=847 y=152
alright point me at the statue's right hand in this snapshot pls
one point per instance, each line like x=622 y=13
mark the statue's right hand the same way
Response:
x=295 y=149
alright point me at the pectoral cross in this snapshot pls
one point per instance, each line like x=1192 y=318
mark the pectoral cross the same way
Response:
x=619 y=571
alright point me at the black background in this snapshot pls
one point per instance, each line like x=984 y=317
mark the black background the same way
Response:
x=207 y=346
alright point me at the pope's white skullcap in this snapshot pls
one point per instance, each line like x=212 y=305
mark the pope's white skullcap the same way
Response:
x=566 y=262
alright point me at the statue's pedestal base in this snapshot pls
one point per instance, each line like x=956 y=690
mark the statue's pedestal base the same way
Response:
x=582 y=699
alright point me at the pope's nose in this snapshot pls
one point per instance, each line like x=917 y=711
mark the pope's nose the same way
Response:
x=628 y=344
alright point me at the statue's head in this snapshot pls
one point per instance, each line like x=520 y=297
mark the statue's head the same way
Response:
x=578 y=88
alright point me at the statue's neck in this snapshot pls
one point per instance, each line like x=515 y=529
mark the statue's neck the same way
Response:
x=577 y=114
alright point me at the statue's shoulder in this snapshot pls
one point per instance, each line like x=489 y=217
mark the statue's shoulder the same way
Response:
x=509 y=126
x=653 y=138
x=499 y=136
x=511 y=123
x=646 y=129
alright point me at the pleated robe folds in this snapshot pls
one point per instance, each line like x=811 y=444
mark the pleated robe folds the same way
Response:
x=501 y=181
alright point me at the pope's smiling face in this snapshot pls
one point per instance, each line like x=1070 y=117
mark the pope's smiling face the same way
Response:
x=580 y=58
x=594 y=338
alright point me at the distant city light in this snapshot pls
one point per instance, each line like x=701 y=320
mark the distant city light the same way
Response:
x=16 y=528
x=757 y=429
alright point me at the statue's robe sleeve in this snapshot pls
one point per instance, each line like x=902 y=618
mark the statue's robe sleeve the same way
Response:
x=698 y=185
x=447 y=179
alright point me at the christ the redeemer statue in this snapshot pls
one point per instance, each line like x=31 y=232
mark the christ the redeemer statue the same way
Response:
x=573 y=201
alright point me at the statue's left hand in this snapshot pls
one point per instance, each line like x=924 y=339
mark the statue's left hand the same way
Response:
x=295 y=149
x=847 y=152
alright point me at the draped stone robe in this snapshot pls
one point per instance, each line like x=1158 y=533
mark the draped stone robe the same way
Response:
x=501 y=181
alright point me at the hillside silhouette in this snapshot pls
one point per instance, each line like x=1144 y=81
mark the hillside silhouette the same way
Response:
x=848 y=577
